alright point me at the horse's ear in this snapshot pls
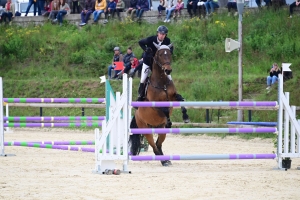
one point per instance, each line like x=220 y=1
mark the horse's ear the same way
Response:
x=170 y=45
x=156 y=45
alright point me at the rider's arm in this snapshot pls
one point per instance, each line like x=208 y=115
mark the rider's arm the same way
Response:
x=143 y=43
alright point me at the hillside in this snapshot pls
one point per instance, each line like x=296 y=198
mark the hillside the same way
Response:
x=49 y=61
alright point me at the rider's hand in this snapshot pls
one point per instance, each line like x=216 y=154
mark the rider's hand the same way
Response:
x=148 y=50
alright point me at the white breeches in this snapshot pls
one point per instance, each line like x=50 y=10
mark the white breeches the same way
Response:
x=145 y=73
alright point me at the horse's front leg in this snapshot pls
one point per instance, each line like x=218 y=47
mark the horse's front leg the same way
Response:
x=185 y=116
x=161 y=138
x=150 y=140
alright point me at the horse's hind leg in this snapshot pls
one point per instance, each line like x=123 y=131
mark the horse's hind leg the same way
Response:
x=150 y=140
x=161 y=138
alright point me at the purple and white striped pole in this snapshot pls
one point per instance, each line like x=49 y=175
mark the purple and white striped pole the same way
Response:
x=24 y=143
x=201 y=130
x=204 y=103
x=88 y=124
x=56 y=118
x=203 y=157
x=54 y=100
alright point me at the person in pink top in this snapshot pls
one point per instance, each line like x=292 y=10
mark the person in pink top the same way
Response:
x=178 y=8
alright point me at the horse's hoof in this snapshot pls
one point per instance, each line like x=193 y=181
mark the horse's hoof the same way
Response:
x=166 y=163
x=186 y=120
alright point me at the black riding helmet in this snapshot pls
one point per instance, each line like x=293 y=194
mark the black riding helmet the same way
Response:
x=162 y=29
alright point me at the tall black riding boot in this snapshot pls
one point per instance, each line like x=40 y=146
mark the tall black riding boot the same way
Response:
x=141 y=92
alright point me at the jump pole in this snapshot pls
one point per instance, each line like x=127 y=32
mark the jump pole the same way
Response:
x=201 y=130
x=88 y=124
x=54 y=100
x=12 y=143
x=55 y=118
x=203 y=157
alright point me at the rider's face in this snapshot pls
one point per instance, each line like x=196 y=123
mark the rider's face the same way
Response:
x=161 y=36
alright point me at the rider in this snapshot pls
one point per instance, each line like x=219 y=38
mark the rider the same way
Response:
x=147 y=45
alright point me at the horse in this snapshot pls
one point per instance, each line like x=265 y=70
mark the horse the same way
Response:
x=158 y=88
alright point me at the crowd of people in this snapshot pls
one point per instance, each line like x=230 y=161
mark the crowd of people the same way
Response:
x=55 y=10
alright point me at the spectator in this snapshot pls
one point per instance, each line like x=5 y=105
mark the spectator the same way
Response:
x=120 y=8
x=132 y=8
x=64 y=9
x=179 y=7
x=87 y=11
x=110 y=10
x=192 y=4
x=141 y=7
x=41 y=5
x=169 y=10
x=100 y=6
x=232 y=5
x=126 y=59
x=35 y=5
x=47 y=8
x=9 y=11
x=75 y=6
x=54 y=9
x=201 y=7
x=137 y=68
x=273 y=77
x=162 y=6
x=118 y=57
x=292 y=6
x=210 y=5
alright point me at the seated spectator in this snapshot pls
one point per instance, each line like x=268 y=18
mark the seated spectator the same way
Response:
x=47 y=8
x=169 y=10
x=75 y=6
x=192 y=4
x=162 y=6
x=210 y=5
x=132 y=8
x=292 y=6
x=87 y=11
x=54 y=9
x=100 y=6
x=118 y=57
x=232 y=5
x=110 y=10
x=35 y=5
x=1 y=12
x=273 y=77
x=201 y=7
x=141 y=7
x=178 y=8
x=9 y=11
x=137 y=68
x=126 y=59
x=120 y=8
x=64 y=9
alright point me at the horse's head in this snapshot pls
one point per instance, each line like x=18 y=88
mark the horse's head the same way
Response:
x=163 y=58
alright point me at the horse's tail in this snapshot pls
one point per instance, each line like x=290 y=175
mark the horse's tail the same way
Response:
x=134 y=139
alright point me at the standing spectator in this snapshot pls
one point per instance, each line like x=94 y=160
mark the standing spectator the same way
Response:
x=141 y=6
x=64 y=9
x=118 y=57
x=100 y=6
x=120 y=8
x=192 y=4
x=292 y=6
x=75 y=6
x=41 y=5
x=210 y=5
x=126 y=59
x=35 y=5
x=178 y=8
x=110 y=10
x=132 y=8
x=232 y=5
x=87 y=11
x=273 y=77
x=54 y=9
x=170 y=9
x=9 y=11
x=162 y=6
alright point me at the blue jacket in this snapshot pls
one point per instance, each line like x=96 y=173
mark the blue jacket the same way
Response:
x=111 y=5
x=143 y=4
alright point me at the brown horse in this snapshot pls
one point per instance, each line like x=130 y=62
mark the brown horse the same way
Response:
x=159 y=88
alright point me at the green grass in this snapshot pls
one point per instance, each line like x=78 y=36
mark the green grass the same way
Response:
x=52 y=61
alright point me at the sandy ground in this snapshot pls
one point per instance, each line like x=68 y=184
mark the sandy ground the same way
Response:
x=53 y=174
